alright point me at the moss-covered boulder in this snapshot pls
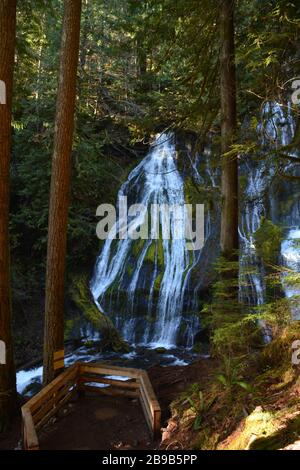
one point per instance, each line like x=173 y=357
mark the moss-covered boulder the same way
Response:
x=110 y=337
x=265 y=430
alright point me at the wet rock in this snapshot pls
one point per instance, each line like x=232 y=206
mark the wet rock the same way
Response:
x=161 y=350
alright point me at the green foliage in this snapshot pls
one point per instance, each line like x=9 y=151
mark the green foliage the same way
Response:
x=233 y=326
x=231 y=376
x=267 y=241
x=199 y=407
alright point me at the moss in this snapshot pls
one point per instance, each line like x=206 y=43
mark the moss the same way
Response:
x=207 y=440
x=151 y=252
x=129 y=270
x=155 y=249
x=198 y=347
x=161 y=350
x=277 y=354
x=137 y=246
x=157 y=282
x=258 y=424
x=69 y=324
x=267 y=240
x=192 y=192
x=110 y=338
x=160 y=252
x=283 y=435
x=265 y=430
x=89 y=344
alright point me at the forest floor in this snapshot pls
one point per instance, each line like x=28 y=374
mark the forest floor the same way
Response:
x=114 y=423
x=258 y=410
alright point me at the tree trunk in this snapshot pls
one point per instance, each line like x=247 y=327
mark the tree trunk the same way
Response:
x=59 y=192
x=7 y=369
x=229 y=218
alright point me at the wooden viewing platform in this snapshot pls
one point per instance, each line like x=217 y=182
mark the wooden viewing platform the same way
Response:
x=81 y=377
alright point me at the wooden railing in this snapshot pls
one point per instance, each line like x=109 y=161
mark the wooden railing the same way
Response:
x=82 y=377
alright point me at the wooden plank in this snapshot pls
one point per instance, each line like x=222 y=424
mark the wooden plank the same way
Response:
x=146 y=414
x=151 y=404
x=50 y=398
x=111 y=391
x=146 y=403
x=36 y=401
x=157 y=422
x=51 y=403
x=104 y=380
x=149 y=392
x=106 y=369
x=53 y=411
x=30 y=436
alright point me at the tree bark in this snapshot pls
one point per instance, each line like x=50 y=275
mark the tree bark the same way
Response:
x=229 y=218
x=7 y=51
x=60 y=189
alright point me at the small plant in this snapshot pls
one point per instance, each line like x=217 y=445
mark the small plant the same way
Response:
x=198 y=405
x=231 y=376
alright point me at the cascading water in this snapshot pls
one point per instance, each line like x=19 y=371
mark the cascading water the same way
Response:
x=150 y=286
x=275 y=130
x=290 y=251
x=141 y=283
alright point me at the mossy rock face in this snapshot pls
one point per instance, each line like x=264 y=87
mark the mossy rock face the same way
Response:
x=282 y=436
x=157 y=281
x=137 y=246
x=265 y=430
x=155 y=249
x=110 y=337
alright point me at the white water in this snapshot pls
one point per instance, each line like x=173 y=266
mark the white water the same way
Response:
x=276 y=130
x=156 y=320
x=290 y=251
x=156 y=180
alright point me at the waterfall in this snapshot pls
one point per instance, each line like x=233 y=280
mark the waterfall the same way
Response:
x=150 y=286
x=252 y=285
x=276 y=129
x=141 y=283
x=290 y=251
